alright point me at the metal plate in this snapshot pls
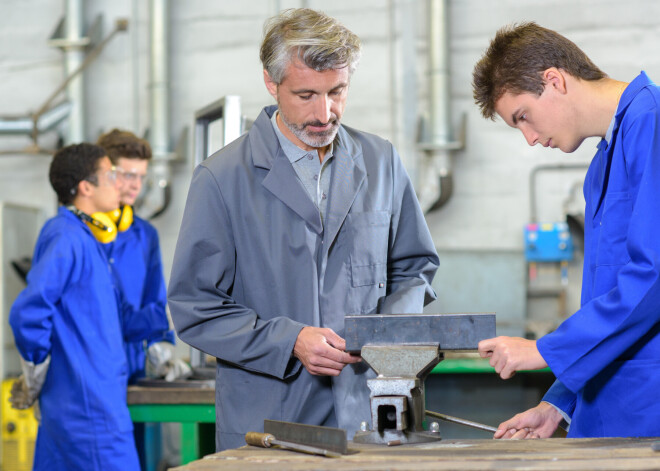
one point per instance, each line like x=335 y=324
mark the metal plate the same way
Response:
x=177 y=383
x=448 y=331
x=329 y=438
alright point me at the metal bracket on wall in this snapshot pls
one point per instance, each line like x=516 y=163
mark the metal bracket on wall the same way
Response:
x=47 y=116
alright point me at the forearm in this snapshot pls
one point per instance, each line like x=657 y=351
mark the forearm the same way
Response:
x=142 y=324
x=236 y=334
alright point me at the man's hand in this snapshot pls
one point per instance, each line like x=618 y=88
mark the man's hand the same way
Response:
x=162 y=364
x=538 y=422
x=321 y=351
x=511 y=354
x=20 y=397
x=26 y=389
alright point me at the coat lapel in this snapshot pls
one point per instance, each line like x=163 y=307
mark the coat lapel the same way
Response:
x=605 y=151
x=601 y=177
x=281 y=179
x=348 y=174
x=285 y=185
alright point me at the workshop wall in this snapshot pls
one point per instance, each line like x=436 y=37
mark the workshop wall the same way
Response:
x=214 y=52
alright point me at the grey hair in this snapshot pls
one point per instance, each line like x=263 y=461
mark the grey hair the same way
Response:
x=319 y=41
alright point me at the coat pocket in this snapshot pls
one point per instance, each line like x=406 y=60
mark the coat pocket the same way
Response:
x=369 y=238
x=613 y=233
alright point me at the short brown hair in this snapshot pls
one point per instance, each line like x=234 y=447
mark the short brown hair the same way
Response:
x=119 y=143
x=516 y=60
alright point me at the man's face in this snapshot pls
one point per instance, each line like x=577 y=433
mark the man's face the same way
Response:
x=310 y=103
x=131 y=174
x=105 y=194
x=545 y=119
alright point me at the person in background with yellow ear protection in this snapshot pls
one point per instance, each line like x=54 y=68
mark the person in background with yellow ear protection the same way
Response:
x=136 y=259
x=69 y=330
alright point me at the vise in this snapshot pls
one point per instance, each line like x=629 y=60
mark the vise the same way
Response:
x=403 y=349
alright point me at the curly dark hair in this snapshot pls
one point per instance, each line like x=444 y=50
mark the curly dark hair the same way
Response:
x=516 y=59
x=118 y=143
x=70 y=166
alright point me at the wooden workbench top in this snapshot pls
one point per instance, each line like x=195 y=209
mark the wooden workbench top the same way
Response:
x=169 y=395
x=587 y=454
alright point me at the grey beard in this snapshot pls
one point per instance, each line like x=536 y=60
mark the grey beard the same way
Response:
x=316 y=139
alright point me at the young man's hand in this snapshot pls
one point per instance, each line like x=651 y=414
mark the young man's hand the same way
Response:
x=321 y=351
x=510 y=354
x=539 y=422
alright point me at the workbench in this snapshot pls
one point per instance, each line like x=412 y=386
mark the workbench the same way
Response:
x=191 y=407
x=586 y=454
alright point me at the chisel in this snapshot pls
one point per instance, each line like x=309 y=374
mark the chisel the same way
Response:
x=267 y=440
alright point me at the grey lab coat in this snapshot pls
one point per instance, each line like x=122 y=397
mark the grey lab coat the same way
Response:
x=254 y=264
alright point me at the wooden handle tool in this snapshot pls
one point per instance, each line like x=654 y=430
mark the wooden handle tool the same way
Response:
x=267 y=440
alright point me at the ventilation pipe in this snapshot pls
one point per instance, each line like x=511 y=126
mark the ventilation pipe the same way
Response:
x=45 y=122
x=49 y=116
x=439 y=144
x=74 y=55
x=159 y=135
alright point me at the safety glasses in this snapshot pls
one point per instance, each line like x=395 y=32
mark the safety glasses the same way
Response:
x=130 y=176
x=110 y=176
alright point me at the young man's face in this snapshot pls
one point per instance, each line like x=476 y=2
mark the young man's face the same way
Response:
x=105 y=194
x=131 y=174
x=545 y=119
x=310 y=103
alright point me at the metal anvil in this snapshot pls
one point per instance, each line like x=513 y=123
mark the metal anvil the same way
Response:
x=403 y=349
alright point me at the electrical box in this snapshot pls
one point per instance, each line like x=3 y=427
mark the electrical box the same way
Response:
x=548 y=242
x=19 y=433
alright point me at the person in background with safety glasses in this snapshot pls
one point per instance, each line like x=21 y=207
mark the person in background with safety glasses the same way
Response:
x=606 y=356
x=136 y=260
x=138 y=271
x=68 y=327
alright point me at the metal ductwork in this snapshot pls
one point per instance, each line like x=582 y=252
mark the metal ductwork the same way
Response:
x=48 y=116
x=43 y=123
x=159 y=128
x=74 y=55
x=439 y=137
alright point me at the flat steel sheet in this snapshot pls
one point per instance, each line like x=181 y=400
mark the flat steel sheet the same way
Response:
x=448 y=331
x=328 y=438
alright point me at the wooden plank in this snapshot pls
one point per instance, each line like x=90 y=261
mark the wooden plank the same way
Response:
x=589 y=454
x=170 y=395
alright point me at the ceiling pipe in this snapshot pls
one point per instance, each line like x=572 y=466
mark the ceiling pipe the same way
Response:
x=72 y=84
x=74 y=55
x=159 y=128
x=440 y=144
x=40 y=124
x=49 y=116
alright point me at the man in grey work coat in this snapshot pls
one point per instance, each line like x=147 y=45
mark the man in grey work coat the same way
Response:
x=287 y=230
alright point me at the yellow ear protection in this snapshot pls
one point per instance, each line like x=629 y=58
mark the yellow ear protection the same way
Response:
x=103 y=228
x=122 y=217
